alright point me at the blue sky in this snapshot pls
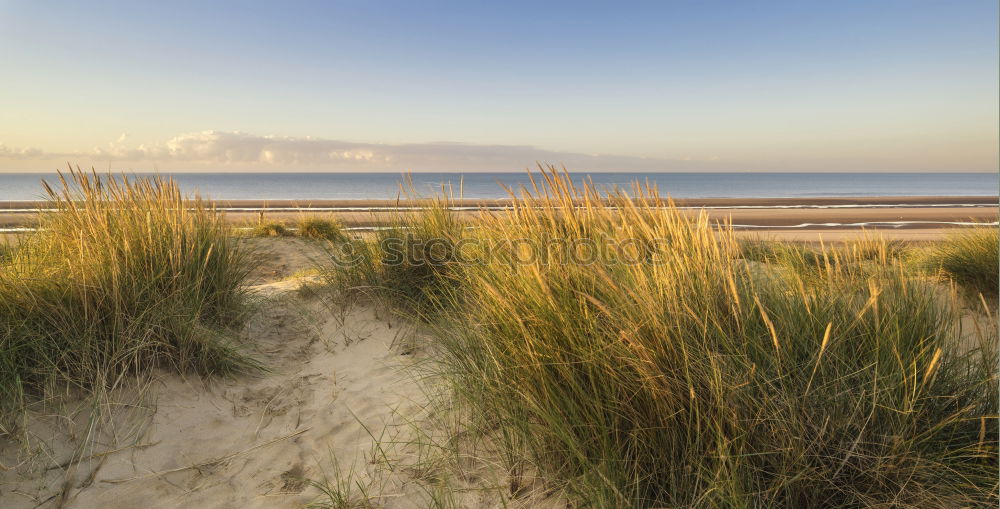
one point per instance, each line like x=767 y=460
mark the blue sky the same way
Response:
x=356 y=85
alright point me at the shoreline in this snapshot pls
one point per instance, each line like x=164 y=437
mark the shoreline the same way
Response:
x=763 y=202
x=777 y=215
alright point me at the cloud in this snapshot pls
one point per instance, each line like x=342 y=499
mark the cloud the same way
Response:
x=20 y=153
x=239 y=150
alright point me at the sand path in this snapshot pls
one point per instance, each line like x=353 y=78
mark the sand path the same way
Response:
x=334 y=377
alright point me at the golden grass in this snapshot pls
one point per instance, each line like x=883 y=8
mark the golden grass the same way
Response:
x=123 y=276
x=670 y=371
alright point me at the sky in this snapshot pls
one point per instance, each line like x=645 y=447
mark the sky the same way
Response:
x=373 y=85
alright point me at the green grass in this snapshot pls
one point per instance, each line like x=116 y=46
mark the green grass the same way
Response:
x=122 y=277
x=970 y=258
x=320 y=229
x=862 y=256
x=405 y=265
x=688 y=380
x=269 y=229
x=308 y=227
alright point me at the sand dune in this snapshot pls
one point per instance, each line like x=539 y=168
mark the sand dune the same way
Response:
x=341 y=401
x=250 y=441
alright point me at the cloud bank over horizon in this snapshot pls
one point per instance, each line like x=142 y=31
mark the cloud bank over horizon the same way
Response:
x=216 y=150
x=236 y=150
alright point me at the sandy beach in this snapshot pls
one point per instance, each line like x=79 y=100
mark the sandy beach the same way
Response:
x=791 y=218
x=499 y=255
x=342 y=397
x=344 y=410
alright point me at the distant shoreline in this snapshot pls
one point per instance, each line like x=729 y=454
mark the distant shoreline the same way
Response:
x=751 y=214
x=764 y=202
x=359 y=189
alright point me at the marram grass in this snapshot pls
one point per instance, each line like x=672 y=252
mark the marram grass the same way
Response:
x=309 y=227
x=970 y=258
x=123 y=276
x=405 y=265
x=694 y=377
x=268 y=229
x=317 y=228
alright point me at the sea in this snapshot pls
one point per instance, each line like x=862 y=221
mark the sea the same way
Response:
x=346 y=186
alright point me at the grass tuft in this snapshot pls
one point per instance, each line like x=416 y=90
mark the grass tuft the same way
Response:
x=269 y=229
x=970 y=258
x=123 y=276
x=686 y=379
x=407 y=265
x=321 y=229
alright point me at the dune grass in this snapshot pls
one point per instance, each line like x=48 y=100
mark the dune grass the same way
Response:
x=269 y=229
x=668 y=372
x=970 y=258
x=308 y=227
x=406 y=265
x=862 y=255
x=317 y=228
x=124 y=276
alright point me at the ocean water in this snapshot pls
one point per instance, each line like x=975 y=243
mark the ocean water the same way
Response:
x=342 y=186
